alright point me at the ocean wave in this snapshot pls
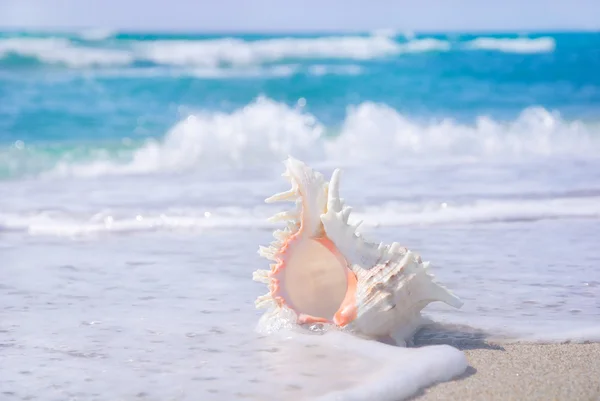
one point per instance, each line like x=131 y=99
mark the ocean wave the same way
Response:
x=426 y=45
x=60 y=51
x=230 y=51
x=199 y=53
x=259 y=132
x=391 y=214
x=65 y=224
x=266 y=131
x=516 y=45
x=374 y=131
x=481 y=211
x=239 y=52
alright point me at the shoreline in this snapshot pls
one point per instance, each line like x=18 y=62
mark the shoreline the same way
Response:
x=522 y=371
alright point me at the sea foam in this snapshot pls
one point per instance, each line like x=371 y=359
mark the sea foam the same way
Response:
x=101 y=51
x=513 y=45
x=63 y=51
x=265 y=131
x=389 y=373
x=211 y=53
x=90 y=221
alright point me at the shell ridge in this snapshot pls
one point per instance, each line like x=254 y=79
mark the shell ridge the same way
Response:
x=352 y=244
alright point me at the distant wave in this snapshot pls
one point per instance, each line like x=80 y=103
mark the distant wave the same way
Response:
x=65 y=223
x=19 y=51
x=200 y=53
x=240 y=52
x=518 y=45
x=212 y=53
x=266 y=131
x=426 y=45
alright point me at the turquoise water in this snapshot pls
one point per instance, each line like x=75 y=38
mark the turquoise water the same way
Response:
x=133 y=170
x=101 y=95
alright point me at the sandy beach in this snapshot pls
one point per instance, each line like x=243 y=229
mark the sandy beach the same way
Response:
x=523 y=372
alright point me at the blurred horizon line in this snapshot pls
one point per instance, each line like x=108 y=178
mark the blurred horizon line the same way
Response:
x=381 y=31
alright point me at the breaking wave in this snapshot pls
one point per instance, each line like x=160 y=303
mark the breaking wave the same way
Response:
x=266 y=131
x=101 y=49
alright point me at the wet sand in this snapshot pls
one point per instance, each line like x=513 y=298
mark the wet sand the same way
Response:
x=523 y=372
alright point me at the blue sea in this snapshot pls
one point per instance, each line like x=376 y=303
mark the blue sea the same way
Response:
x=134 y=166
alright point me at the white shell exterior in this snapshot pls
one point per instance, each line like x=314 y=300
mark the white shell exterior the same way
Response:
x=393 y=284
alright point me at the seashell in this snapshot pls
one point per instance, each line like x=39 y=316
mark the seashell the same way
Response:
x=325 y=271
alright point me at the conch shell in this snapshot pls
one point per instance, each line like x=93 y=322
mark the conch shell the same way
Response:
x=324 y=271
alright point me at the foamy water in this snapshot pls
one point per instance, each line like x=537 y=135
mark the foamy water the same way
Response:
x=138 y=310
x=265 y=131
x=235 y=51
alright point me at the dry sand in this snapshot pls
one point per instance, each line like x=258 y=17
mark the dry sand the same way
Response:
x=523 y=372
